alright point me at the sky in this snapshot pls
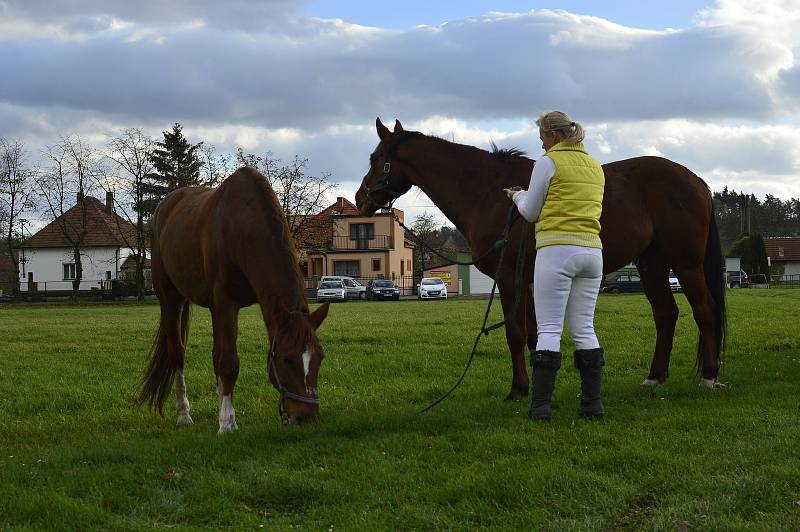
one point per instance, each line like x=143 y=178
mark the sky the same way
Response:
x=713 y=85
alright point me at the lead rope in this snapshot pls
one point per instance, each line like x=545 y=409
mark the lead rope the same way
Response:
x=518 y=280
x=513 y=216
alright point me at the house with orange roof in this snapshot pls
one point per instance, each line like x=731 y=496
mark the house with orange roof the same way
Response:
x=785 y=252
x=346 y=243
x=47 y=261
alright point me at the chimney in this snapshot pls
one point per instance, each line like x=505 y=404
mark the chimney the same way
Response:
x=339 y=208
x=109 y=202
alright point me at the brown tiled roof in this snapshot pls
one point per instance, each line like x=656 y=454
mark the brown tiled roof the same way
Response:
x=342 y=206
x=316 y=231
x=130 y=262
x=102 y=228
x=781 y=249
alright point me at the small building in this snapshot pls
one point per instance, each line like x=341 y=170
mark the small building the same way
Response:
x=47 y=261
x=346 y=243
x=784 y=253
x=471 y=281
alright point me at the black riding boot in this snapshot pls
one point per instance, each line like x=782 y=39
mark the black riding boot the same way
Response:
x=590 y=363
x=545 y=366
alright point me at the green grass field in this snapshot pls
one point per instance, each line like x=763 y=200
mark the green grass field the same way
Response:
x=76 y=453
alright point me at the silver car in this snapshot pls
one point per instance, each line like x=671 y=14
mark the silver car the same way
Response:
x=352 y=287
x=331 y=291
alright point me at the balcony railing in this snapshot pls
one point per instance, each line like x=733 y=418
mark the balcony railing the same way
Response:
x=375 y=242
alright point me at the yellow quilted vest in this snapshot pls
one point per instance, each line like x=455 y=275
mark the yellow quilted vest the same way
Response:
x=571 y=211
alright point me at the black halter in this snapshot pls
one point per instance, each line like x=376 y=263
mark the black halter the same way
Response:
x=386 y=184
x=311 y=399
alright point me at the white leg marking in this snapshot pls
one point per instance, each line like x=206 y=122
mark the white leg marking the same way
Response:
x=650 y=382
x=711 y=383
x=227 y=417
x=181 y=401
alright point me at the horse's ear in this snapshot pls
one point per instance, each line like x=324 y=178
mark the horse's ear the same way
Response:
x=398 y=127
x=319 y=315
x=383 y=131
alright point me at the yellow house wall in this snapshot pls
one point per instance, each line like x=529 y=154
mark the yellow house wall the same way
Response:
x=390 y=259
x=341 y=224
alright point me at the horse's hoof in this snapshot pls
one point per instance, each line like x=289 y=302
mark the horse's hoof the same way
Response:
x=184 y=419
x=227 y=427
x=517 y=395
x=714 y=384
x=650 y=382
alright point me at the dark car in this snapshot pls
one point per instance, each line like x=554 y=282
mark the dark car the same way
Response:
x=738 y=279
x=623 y=282
x=382 y=289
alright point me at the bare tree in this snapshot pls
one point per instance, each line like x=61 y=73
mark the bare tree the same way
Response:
x=424 y=227
x=71 y=169
x=130 y=152
x=300 y=195
x=216 y=166
x=16 y=193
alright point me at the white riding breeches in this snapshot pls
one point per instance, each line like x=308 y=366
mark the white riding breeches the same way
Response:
x=566 y=278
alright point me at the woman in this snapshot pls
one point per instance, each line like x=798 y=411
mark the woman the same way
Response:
x=565 y=200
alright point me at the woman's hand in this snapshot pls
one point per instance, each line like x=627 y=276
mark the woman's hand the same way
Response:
x=511 y=191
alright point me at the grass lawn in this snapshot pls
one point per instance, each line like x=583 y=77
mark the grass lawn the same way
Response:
x=76 y=453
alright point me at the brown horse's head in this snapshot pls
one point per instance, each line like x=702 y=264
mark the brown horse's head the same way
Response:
x=386 y=179
x=294 y=360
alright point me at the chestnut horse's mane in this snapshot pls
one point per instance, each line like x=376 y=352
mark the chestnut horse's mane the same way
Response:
x=298 y=333
x=500 y=153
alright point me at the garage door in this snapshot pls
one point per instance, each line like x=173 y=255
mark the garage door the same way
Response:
x=480 y=283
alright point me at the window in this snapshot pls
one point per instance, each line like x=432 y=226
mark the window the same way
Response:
x=376 y=265
x=402 y=269
x=69 y=270
x=362 y=234
x=108 y=275
x=780 y=251
x=349 y=268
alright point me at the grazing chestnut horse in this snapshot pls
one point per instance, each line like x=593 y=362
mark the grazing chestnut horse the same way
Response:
x=655 y=212
x=224 y=249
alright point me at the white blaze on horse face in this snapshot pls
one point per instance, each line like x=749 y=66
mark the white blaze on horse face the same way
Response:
x=306 y=365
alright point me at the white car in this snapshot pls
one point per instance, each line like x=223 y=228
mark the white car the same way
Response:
x=353 y=288
x=674 y=283
x=432 y=288
x=331 y=291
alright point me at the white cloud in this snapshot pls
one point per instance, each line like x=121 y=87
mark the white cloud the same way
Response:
x=721 y=97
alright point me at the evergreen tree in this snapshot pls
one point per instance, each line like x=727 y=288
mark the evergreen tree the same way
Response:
x=754 y=257
x=176 y=164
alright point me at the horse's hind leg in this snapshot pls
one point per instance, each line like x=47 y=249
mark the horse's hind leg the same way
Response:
x=694 y=285
x=181 y=399
x=224 y=317
x=654 y=272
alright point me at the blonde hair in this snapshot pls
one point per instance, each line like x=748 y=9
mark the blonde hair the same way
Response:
x=555 y=121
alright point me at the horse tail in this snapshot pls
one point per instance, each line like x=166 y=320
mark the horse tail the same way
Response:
x=713 y=268
x=159 y=376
